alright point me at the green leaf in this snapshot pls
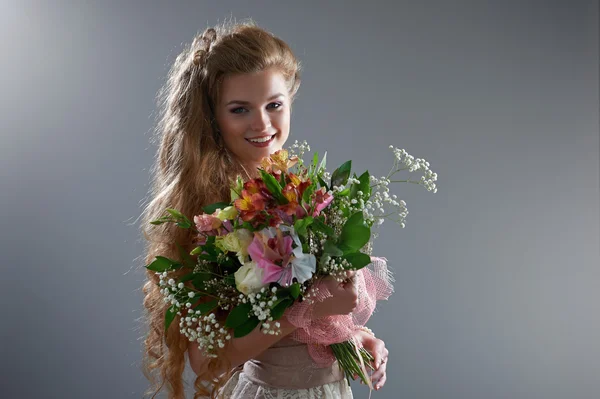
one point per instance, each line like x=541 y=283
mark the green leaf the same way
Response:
x=170 y=316
x=280 y=298
x=282 y=180
x=365 y=184
x=355 y=234
x=246 y=328
x=312 y=168
x=236 y=188
x=210 y=209
x=208 y=257
x=331 y=249
x=187 y=277
x=307 y=194
x=200 y=279
x=295 y=290
x=278 y=310
x=175 y=213
x=229 y=280
x=322 y=164
x=340 y=175
x=196 y=251
x=357 y=259
x=315 y=160
x=162 y=264
x=207 y=307
x=345 y=192
x=184 y=224
x=185 y=257
x=301 y=225
x=273 y=186
x=323 y=183
x=238 y=316
x=318 y=225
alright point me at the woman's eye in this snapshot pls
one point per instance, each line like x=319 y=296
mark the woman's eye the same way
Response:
x=241 y=110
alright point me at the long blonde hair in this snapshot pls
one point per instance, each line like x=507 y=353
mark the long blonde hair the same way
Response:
x=193 y=169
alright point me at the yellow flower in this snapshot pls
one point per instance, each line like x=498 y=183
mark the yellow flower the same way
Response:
x=228 y=242
x=229 y=213
x=279 y=161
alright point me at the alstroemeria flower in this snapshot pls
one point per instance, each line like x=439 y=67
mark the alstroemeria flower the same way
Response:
x=249 y=204
x=293 y=207
x=303 y=265
x=322 y=200
x=279 y=161
x=272 y=251
x=301 y=185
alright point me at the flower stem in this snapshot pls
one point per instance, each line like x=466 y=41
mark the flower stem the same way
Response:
x=347 y=353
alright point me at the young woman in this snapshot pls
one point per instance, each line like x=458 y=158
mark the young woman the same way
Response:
x=226 y=104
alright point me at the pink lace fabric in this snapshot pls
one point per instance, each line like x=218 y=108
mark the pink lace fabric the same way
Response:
x=374 y=283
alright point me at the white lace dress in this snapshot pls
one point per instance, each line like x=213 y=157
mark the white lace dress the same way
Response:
x=286 y=371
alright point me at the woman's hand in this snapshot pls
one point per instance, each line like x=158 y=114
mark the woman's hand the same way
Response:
x=376 y=347
x=344 y=297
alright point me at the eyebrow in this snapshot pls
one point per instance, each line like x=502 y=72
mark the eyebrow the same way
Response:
x=246 y=102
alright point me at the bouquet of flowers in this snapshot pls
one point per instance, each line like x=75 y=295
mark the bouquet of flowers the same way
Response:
x=264 y=254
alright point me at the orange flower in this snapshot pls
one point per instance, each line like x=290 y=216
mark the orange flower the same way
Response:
x=290 y=192
x=253 y=186
x=294 y=179
x=249 y=204
x=279 y=161
x=294 y=197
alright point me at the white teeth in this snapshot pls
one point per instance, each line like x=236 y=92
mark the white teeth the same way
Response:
x=261 y=140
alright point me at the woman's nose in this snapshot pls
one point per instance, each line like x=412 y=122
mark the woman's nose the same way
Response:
x=261 y=122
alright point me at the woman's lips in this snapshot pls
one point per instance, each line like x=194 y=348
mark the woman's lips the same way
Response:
x=261 y=144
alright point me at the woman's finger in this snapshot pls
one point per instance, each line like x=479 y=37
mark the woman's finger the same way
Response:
x=379 y=352
x=381 y=382
x=379 y=373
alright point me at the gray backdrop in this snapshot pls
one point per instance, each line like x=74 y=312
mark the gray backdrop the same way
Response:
x=497 y=273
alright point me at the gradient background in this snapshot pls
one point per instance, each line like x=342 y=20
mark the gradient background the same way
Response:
x=497 y=273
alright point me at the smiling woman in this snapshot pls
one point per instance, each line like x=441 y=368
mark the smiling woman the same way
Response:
x=253 y=114
x=226 y=105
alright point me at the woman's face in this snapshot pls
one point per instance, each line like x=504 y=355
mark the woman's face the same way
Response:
x=253 y=114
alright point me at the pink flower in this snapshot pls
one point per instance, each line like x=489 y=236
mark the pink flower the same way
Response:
x=322 y=201
x=271 y=251
x=205 y=223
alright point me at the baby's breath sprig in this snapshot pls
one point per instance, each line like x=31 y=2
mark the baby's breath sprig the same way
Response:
x=298 y=149
x=380 y=198
x=408 y=162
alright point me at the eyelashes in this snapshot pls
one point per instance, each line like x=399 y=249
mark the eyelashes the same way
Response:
x=240 y=110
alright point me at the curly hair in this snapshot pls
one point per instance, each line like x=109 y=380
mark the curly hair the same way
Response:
x=192 y=169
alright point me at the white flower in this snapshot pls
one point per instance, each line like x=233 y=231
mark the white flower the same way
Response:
x=303 y=265
x=248 y=278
